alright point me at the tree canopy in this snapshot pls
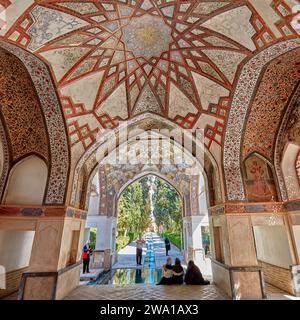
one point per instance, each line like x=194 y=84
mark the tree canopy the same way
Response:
x=134 y=209
x=135 y=212
x=167 y=206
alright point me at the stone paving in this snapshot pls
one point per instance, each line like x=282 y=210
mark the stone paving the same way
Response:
x=160 y=252
x=152 y=292
x=127 y=257
x=147 y=292
x=92 y=275
x=274 y=293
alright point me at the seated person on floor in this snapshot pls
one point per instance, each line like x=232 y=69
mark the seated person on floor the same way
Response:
x=167 y=272
x=177 y=272
x=193 y=275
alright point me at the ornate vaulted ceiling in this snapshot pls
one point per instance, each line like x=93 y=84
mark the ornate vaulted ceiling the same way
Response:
x=112 y=60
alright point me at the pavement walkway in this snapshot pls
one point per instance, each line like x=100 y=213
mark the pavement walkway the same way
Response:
x=127 y=255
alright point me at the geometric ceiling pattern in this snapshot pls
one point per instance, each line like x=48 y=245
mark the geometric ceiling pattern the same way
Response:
x=113 y=60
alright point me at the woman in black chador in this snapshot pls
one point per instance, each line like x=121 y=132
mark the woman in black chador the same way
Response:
x=193 y=275
x=177 y=272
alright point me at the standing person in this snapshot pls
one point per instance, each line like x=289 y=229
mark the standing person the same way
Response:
x=168 y=246
x=167 y=272
x=193 y=275
x=139 y=250
x=177 y=272
x=86 y=254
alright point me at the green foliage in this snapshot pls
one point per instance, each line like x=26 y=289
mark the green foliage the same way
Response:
x=167 y=207
x=175 y=238
x=93 y=232
x=205 y=235
x=134 y=216
x=122 y=242
x=132 y=236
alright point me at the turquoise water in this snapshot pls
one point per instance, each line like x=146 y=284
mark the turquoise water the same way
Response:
x=131 y=276
x=149 y=261
x=148 y=274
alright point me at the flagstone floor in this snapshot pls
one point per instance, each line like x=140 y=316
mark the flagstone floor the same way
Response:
x=146 y=292
x=153 y=292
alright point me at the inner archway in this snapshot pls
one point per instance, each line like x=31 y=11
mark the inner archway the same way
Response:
x=151 y=209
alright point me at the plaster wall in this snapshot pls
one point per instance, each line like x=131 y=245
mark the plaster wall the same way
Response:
x=296 y=231
x=15 y=248
x=272 y=245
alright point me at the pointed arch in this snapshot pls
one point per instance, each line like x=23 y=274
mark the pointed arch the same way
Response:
x=57 y=134
x=245 y=89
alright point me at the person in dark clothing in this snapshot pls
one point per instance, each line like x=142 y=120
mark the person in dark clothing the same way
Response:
x=193 y=275
x=177 y=272
x=139 y=250
x=86 y=254
x=167 y=272
x=168 y=246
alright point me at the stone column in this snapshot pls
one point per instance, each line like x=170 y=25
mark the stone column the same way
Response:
x=105 y=253
x=235 y=267
x=194 y=248
x=86 y=234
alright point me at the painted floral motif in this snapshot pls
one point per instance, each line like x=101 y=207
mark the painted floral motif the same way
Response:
x=49 y=24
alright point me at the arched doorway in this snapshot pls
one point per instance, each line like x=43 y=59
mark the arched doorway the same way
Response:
x=149 y=208
x=151 y=205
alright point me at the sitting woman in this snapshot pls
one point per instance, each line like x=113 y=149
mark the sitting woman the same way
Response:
x=193 y=275
x=167 y=272
x=177 y=272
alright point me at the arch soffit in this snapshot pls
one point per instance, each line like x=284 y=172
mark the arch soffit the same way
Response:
x=280 y=144
x=244 y=91
x=58 y=140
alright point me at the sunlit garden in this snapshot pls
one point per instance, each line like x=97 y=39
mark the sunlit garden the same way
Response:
x=149 y=204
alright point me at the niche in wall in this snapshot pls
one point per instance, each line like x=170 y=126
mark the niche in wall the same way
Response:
x=259 y=181
x=27 y=182
x=15 y=248
x=74 y=247
x=219 y=253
